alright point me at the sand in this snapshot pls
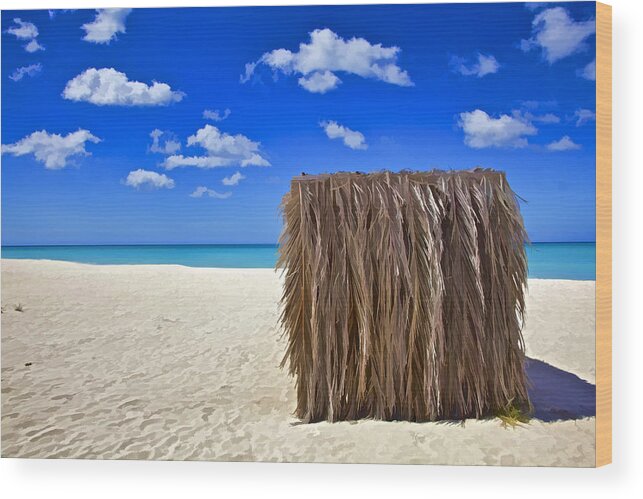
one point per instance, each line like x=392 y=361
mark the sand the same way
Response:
x=171 y=362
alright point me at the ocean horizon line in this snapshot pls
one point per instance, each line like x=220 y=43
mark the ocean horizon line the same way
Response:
x=36 y=245
x=548 y=260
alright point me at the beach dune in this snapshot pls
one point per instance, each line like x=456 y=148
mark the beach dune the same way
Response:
x=171 y=362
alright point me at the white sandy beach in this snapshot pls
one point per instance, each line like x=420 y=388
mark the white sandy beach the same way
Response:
x=170 y=362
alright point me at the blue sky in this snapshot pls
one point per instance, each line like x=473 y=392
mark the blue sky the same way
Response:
x=506 y=86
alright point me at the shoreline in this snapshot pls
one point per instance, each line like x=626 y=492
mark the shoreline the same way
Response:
x=175 y=362
x=179 y=265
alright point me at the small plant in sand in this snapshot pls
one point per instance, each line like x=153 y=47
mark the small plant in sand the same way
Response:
x=512 y=416
x=19 y=308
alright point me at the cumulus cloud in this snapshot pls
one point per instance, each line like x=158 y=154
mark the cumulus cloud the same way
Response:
x=233 y=179
x=482 y=130
x=105 y=26
x=588 y=72
x=216 y=115
x=319 y=82
x=557 y=34
x=351 y=138
x=200 y=191
x=317 y=61
x=139 y=178
x=33 y=46
x=164 y=142
x=52 y=149
x=484 y=65
x=24 y=30
x=583 y=116
x=31 y=71
x=564 y=144
x=108 y=87
x=221 y=149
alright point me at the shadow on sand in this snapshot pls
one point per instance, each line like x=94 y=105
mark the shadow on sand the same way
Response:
x=558 y=395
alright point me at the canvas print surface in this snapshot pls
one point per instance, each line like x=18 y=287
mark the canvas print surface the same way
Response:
x=348 y=234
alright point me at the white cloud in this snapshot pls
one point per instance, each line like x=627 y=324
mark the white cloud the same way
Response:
x=140 y=177
x=55 y=12
x=108 y=87
x=535 y=104
x=564 y=144
x=486 y=64
x=23 y=30
x=535 y=5
x=164 y=142
x=33 y=46
x=351 y=138
x=557 y=34
x=222 y=150
x=327 y=53
x=482 y=130
x=319 y=82
x=529 y=117
x=31 y=70
x=202 y=190
x=105 y=26
x=588 y=72
x=26 y=31
x=216 y=115
x=52 y=149
x=233 y=179
x=583 y=116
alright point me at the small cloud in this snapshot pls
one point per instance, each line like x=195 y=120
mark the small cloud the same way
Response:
x=564 y=144
x=557 y=34
x=108 y=87
x=588 y=72
x=327 y=53
x=319 y=82
x=533 y=6
x=482 y=131
x=33 y=46
x=54 y=12
x=248 y=73
x=233 y=179
x=216 y=115
x=139 y=178
x=351 y=138
x=23 y=30
x=536 y=104
x=222 y=149
x=26 y=31
x=164 y=142
x=204 y=191
x=105 y=26
x=50 y=148
x=547 y=118
x=583 y=116
x=31 y=71
x=485 y=64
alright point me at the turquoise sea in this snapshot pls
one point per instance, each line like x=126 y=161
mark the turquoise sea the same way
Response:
x=546 y=260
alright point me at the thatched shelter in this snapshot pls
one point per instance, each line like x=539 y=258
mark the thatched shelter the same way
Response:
x=404 y=295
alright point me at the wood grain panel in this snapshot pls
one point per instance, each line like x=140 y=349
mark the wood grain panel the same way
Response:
x=603 y=234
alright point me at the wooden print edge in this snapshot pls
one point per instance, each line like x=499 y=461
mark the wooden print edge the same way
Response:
x=603 y=234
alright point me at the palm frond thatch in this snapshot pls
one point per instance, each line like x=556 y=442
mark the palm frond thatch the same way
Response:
x=404 y=295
